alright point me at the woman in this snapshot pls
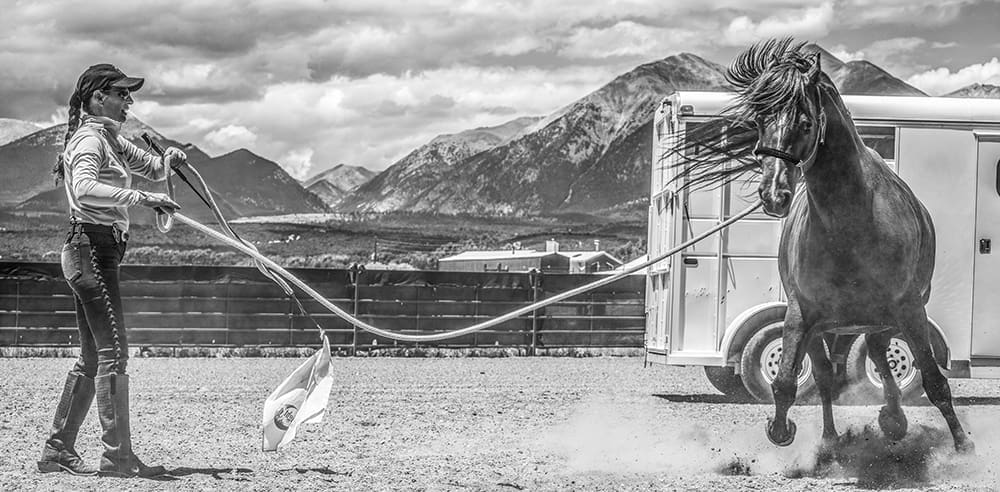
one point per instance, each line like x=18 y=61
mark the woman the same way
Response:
x=96 y=166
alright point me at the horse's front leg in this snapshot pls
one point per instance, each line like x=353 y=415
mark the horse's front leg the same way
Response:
x=891 y=418
x=781 y=430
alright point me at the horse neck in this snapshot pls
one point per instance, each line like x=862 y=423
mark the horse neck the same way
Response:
x=835 y=183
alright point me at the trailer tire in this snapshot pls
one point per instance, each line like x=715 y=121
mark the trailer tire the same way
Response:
x=728 y=382
x=863 y=385
x=759 y=365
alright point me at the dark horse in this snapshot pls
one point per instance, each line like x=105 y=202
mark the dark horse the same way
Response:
x=857 y=247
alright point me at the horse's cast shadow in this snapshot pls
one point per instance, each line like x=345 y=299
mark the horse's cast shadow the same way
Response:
x=707 y=398
x=958 y=401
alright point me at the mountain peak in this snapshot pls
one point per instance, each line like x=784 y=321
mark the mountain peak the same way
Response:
x=977 y=90
x=827 y=61
x=11 y=129
x=240 y=153
x=864 y=77
x=133 y=128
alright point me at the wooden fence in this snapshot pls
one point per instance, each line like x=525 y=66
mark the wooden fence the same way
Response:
x=184 y=306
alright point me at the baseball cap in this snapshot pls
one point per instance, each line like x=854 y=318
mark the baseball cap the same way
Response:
x=104 y=76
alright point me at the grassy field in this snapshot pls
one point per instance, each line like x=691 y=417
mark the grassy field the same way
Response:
x=411 y=239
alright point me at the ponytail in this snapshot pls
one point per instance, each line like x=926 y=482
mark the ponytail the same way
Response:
x=72 y=123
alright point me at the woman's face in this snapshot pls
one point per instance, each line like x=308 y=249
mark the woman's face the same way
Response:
x=115 y=104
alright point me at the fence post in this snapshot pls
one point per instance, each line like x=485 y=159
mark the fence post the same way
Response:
x=354 y=275
x=17 y=311
x=535 y=279
x=229 y=282
x=291 y=321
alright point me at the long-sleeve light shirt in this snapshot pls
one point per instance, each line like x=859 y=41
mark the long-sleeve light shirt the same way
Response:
x=98 y=165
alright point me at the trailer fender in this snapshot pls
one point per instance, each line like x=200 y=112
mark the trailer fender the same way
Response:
x=748 y=322
x=745 y=325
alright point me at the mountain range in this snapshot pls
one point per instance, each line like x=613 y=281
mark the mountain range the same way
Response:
x=591 y=156
x=977 y=90
x=400 y=187
x=336 y=183
x=242 y=182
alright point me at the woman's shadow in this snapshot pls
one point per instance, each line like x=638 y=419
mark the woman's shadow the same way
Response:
x=234 y=474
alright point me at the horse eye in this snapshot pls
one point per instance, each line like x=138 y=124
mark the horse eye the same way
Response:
x=807 y=126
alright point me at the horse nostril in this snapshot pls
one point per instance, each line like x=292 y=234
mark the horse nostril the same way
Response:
x=782 y=197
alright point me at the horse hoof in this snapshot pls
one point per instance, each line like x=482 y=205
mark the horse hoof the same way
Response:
x=966 y=447
x=780 y=440
x=894 y=426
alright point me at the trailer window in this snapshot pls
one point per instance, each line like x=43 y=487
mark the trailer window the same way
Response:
x=687 y=129
x=882 y=139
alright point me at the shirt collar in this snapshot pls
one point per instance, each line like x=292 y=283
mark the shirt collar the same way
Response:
x=113 y=127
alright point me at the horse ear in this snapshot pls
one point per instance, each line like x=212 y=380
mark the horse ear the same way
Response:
x=814 y=68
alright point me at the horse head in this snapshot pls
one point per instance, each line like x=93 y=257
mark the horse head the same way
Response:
x=781 y=94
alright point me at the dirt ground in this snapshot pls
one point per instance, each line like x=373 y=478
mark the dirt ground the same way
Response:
x=603 y=423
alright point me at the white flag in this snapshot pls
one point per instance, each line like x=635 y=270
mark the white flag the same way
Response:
x=300 y=399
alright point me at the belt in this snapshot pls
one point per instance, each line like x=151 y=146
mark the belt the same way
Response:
x=119 y=235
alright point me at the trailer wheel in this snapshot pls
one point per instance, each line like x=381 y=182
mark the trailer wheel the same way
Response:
x=728 y=382
x=759 y=365
x=864 y=385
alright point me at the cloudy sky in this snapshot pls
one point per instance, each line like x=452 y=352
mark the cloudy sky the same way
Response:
x=313 y=83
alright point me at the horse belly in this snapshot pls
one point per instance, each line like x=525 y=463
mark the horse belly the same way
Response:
x=852 y=291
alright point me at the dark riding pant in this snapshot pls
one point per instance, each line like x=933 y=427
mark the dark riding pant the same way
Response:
x=90 y=260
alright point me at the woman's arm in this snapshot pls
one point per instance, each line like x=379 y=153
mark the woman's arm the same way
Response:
x=85 y=172
x=143 y=163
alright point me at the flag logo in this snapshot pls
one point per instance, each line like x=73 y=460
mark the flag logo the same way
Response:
x=284 y=417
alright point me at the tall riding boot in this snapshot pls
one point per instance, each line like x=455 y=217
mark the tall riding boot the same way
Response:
x=118 y=459
x=59 y=454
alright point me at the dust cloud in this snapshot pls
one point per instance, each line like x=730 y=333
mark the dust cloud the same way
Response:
x=619 y=438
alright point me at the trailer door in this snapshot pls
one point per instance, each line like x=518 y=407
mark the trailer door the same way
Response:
x=986 y=283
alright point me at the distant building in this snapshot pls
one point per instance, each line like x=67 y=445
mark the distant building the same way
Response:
x=521 y=260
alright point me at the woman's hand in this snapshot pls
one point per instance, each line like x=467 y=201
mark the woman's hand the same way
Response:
x=174 y=157
x=159 y=200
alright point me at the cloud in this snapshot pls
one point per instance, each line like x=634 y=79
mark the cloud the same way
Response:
x=845 y=55
x=896 y=55
x=298 y=163
x=230 y=137
x=860 y=13
x=941 y=81
x=369 y=121
x=811 y=22
x=366 y=81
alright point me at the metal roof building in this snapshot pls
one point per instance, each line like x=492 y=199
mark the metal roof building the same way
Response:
x=522 y=260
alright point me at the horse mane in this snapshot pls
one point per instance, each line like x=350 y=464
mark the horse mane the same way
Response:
x=769 y=78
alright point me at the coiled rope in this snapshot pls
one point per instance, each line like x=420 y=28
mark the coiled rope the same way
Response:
x=274 y=268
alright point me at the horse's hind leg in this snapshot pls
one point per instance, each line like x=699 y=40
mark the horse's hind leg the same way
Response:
x=891 y=418
x=823 y=374
x=936 y=384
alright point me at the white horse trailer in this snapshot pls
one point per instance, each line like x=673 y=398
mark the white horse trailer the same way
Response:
x=720 y=304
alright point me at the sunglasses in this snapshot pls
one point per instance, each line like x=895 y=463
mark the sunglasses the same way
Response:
x=123 y=94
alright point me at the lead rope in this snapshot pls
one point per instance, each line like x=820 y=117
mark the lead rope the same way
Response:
x=273 y=267
x=164 y=222
x=474 y=328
